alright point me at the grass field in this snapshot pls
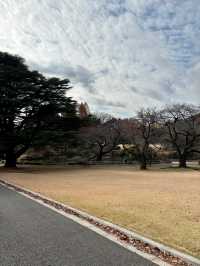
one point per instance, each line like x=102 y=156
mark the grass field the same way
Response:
x=161 y=204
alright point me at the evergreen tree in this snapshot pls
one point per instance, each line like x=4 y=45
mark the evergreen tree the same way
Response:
x=31 y=105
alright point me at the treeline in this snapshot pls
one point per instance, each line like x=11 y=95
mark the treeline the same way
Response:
x=35 y=111
x=170 y=131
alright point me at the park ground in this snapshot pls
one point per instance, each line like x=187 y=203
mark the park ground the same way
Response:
x=162 y=204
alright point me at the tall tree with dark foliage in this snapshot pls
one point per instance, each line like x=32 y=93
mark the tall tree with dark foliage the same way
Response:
x=30 y=106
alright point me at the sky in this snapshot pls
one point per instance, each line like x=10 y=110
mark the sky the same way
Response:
x=120 y=55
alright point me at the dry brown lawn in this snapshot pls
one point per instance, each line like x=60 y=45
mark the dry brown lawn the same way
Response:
x=161 y=204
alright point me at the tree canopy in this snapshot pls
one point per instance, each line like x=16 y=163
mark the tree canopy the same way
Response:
x=181 y=124
x=30 y=104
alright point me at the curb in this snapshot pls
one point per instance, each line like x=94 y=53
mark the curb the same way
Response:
x=114 y=232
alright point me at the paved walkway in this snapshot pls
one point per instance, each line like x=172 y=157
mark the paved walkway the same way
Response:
x=33 y=235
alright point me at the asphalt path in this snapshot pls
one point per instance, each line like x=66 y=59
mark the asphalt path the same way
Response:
x=34 y=235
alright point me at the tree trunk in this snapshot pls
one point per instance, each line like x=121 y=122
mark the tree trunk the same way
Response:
x=11 y=160
x=143 y=166
x=143 y=163
x=100 y=153
x=100 y=157
x=182 y=162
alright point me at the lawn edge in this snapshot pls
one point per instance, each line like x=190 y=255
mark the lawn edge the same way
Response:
x=153 y=251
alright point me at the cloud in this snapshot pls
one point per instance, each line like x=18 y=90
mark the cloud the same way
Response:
x=107 y=103
x=120 y=55
x=78 y=74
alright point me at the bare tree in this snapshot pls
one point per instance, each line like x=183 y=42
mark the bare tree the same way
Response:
x=140 y=133
x=103 y=117
x=182 y=124
x=101 y=139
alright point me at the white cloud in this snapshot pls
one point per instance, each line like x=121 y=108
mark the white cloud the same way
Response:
x=120 y=54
